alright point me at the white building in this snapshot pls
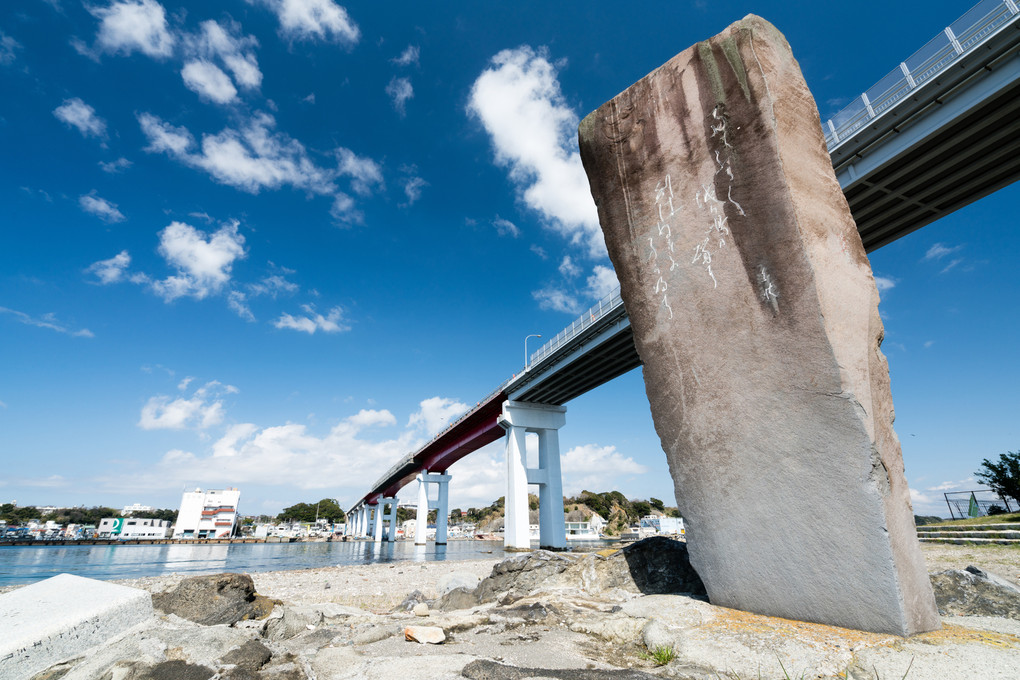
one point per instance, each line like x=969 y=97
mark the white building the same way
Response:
x=137 y=507
x=208 y=514
x=128 y=527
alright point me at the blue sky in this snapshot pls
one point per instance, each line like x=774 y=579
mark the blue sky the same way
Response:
x=277 y=244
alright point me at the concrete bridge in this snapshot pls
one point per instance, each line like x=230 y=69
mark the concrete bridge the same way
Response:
x=940 y=131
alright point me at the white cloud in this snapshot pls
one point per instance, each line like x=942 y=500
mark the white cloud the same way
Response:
x=534 y=133
x=596 y=467
x=602 y=282
x=435 y=414
x=938 y=251
x=951 y=265
x=408 y=57
x=112 y=270
x=238 y=303
x=400 y=90
x=203 y=263
x=203 y=410
x=252 y=158
x=962 y=485
x=273 y=286
x=236 y=52
x=49 y=321
x=884 y=283
x=365 y=173
x=557 y=300
x=289 y=455
x=312 y=321
x=101 y=208
x=163 y=137
x=343 y=209
x=208 y=81
x=313 y=19
x=413 y=187
x=8 y=45
x=134 y=25
x=77 y=113
x=567 y=267
x=505 y=227
x=116 y=166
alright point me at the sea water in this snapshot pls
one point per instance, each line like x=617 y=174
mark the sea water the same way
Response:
x=21 y=565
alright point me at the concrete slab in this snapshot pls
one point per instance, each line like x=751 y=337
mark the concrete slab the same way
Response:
x=62 y=617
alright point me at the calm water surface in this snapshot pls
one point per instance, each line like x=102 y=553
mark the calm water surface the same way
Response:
x=21 y=565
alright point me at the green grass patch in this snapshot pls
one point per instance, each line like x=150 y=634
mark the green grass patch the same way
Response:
x=660 y=655
x=971 y=521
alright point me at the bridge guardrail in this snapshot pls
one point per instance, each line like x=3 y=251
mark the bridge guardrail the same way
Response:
x=962 y=36
x=609 y=303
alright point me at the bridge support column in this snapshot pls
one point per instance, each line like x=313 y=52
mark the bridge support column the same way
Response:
x=421 y=518
x=363 y=521
x=518 y=419
x=377 y=522
x=441 y=505
x=391 y=518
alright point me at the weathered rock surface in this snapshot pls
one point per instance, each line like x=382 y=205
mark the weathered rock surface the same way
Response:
x=252 y=655
x=214 y=599
x=973 y=592
x=755 y=315
x=490 y=670
x=580 y=622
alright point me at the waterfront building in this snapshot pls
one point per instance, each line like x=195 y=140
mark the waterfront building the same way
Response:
x=136 y=507
x=207 y=514
x=127 y=527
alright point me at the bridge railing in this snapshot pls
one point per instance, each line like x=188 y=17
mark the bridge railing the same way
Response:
x=963 y=35
x=609 y=303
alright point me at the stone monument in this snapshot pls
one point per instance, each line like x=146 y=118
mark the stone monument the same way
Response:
x=755 y=315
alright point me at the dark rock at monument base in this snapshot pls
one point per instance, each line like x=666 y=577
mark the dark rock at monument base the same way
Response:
x=655 y=566
x=973 y=592
x=521 y=575
x=214 y=599
x=252 y=655
x=168 y=670
x=490 y=670
x=458 y=598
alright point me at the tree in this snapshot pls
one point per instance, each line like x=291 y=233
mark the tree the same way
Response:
x=307 y=512
x=657 y=504
x=1003 y=477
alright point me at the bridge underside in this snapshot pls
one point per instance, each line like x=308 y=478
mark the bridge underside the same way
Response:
x=936 y=152
x=476 y=429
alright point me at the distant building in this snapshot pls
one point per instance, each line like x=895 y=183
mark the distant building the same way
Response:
x=127 y=527
x=137 y=507
x=207 y=514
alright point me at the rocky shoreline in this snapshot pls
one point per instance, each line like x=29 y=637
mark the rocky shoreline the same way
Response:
x=627 y=613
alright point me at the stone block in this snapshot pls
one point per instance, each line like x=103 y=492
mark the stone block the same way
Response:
x=63 y=617
x=755 y=314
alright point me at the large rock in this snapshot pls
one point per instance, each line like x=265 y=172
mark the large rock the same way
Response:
x=517 y=577
x=755 y=315
x=214 y=599
x=973 y=592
